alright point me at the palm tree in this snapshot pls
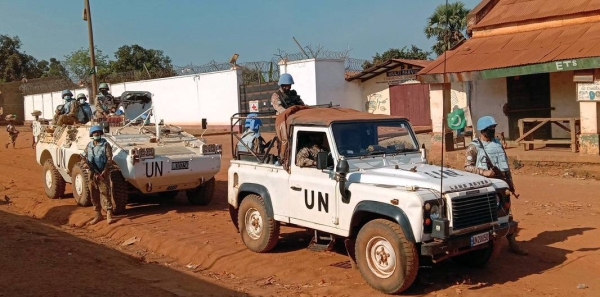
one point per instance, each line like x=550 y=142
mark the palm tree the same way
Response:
x=447 y=24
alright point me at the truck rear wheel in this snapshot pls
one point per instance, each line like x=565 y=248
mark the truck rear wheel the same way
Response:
x=80 y=181
x=54 y=183
x=119 y=192
x=202 y=195
x=259 y=231
x=386 y=259
x=475 y=259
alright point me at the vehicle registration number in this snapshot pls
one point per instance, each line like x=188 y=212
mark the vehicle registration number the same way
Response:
x=480 y=238
x=180 y=165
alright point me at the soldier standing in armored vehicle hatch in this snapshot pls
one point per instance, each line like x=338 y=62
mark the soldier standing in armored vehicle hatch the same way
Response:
x=105 y=102
x=97 y=156
x=487 y=157
x=285 y=97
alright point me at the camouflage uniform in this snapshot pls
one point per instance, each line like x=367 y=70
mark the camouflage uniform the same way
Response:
x=99 y=187
x=307 y=156
x=280 y=100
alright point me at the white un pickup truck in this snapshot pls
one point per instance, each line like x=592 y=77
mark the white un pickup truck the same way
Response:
x=372 y=187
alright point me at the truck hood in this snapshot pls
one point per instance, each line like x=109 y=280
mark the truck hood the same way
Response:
x=422 y=176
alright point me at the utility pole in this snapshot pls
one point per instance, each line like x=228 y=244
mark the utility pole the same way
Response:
x=87 y=16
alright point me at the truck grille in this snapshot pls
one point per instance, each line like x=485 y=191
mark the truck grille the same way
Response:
x=473 y=210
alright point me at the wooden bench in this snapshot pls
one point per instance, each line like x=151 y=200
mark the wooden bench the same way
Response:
x=526 y=137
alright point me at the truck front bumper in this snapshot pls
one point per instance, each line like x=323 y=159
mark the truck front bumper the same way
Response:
x=460 y=244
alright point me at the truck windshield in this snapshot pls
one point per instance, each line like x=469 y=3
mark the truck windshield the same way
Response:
x=359 y=139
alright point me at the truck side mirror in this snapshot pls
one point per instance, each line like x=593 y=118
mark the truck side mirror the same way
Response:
x=322 y=160
x=204 y=124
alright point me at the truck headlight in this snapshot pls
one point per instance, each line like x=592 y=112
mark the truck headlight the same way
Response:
x=434 y=213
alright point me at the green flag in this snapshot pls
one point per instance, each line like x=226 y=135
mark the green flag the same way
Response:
x=456 y=119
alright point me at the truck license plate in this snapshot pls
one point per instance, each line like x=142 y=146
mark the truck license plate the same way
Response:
x=180 y=165
x=480 y=238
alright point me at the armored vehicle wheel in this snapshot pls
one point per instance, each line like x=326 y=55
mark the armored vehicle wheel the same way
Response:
x=169 y=195
x=54 y=184
x=203 y=194
x=119 y=192
x=476 y=258
x=259 y=231
x=386 y=259
x=81 y=191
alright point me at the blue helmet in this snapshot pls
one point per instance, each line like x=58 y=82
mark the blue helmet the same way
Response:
x=485 y=122
x=286 y=79
x=66 y=92
x=96 y=129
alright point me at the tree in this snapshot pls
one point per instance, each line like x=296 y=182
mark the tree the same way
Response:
x=447 y=24
x=137 y=58
x=78 y=65
x=414 y=53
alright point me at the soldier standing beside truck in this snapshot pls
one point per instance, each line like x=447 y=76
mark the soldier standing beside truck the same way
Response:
x=486 y=156
x=98 y=158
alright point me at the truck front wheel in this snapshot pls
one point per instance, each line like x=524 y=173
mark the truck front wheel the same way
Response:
x=80 y=182
x=386 y=259
x=54 y=183
x=259 y=231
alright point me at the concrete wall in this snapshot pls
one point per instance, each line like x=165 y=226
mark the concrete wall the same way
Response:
x=488 y=98
x=563 y=96
x=180 y=100
x=376 y=94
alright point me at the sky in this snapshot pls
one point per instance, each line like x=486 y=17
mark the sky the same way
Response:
x=198 y=31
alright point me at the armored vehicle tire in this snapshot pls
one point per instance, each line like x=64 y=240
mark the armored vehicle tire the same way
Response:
x=259 y=231
x=475 y=259
x=119 y=192
x=54 y=183
x=203 y=194
x=386 y=259
x=81 y=191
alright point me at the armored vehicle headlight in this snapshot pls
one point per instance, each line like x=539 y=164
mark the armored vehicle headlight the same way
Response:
x=434 y=213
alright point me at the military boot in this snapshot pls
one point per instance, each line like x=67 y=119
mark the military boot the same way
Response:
x=109 y=216
x=97 y=218
x=514 y=247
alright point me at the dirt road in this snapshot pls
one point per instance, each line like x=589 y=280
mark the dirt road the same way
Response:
x=559 y=217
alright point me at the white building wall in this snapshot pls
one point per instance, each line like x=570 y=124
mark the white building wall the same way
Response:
x=488 y=98
x=180 y=100
x=563 y=96
x=305 y=80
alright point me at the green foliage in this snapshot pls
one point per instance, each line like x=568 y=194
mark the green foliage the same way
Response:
x=447 y=24
x=78 y=65
x=137 y=58
x=414 y=53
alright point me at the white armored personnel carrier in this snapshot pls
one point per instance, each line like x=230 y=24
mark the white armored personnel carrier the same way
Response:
x=149 y=157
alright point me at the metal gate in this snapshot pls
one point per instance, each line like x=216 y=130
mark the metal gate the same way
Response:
x=411 y=101
x=257 y=98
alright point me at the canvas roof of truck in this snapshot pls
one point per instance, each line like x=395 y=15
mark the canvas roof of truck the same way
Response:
x=326 y=116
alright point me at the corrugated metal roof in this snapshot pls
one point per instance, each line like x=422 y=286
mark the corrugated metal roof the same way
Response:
x=532 y=47
x=511 y=11
x=385 y=66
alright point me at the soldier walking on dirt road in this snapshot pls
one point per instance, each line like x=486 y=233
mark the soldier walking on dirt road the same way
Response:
x=486 y=156
x=98 y=158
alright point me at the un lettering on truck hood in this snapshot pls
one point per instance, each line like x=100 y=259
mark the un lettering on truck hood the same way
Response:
x=421 y=175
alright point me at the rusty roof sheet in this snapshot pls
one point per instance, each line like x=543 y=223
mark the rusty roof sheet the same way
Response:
x=532 y=47
x=386 y=66
x=514 y=11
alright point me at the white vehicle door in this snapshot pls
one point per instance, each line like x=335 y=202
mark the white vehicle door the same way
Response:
x=312 y=196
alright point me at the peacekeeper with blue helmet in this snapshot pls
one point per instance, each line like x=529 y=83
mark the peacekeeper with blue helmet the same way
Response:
x=285 y=97
x=486 y=156
x=97 y=156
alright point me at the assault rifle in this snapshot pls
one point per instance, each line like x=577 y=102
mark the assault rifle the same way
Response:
x=499 y=173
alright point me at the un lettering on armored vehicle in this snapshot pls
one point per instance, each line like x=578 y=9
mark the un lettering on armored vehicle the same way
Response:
x=371 y=187
x=150 y=157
